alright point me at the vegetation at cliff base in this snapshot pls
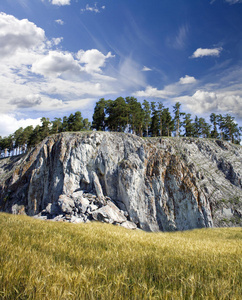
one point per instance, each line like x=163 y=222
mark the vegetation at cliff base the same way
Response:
x=48 y=260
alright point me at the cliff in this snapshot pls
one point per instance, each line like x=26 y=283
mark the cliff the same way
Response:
x=152 y=183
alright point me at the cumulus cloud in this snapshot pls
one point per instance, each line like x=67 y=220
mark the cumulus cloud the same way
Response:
x=55 y=64
x=92 y=8
x=54 y=42
x=153 y=93
x=187 y=80
x=18 y=35
x=205 y=102
x=9 y=123
x=26 y=102
x=60 y=2
x=93 y=60
x=206 y=52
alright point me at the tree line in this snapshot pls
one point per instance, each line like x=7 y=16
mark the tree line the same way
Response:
x=24 y=139
x=153 y=119
x=127 y=115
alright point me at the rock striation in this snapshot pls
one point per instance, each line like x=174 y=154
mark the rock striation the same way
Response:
x=151 y=183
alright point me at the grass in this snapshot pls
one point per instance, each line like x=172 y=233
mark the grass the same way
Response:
x=47 y=260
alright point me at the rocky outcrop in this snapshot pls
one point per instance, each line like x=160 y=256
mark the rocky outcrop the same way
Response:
x=82 y=208
x=152 y=183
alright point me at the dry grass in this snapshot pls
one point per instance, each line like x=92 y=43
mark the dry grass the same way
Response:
x=47 y=260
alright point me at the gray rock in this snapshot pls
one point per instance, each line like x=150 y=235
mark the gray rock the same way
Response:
x=53 y=209
x=39 y=217
x=129 y=225
x=92 y=207
x=59 y=218
x=66 y=204
x=109 y=213
x=98 y=188
x=82 y=204
x=76 y=220
x=77 y=195
x=227 y=212
x=18 y=209
x=163 y=184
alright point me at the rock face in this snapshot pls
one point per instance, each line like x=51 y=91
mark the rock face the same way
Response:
x=153 y=183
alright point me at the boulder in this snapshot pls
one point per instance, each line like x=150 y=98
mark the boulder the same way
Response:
x=77 y=195
x=129 y=225
x=66 y=204
x=82 y=204
x=109 y=213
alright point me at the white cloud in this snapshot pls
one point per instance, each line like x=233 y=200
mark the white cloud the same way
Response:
x=146 y=69
x=60 y=2
x=151 y=92
x=170 y=90
x=59 y=21
x=28 y=101
x=54 y=42
x=9 y=124
x=18 y=35
x=205 y=102
x=55 y=64
x=206 y=52
x=92 y=8
x=187 y=80
x=93 y=60
x=70 y=81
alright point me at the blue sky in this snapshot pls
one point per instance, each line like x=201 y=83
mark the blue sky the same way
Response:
x=60 y=56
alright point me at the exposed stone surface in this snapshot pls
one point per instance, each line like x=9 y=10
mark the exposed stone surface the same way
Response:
x=79 y=208
x=152 y=183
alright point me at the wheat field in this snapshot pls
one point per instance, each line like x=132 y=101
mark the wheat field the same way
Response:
x=47 y=260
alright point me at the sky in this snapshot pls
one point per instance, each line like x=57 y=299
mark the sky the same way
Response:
x=61 y=56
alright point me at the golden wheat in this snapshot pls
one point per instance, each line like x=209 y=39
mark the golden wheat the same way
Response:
x=47 y=260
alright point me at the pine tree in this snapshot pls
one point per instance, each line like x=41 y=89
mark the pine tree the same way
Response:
x=45 y=128
x=78 y=121
x=188 y=125
x=178 y=114
x=64 y=126
x=160 y=114
x=230 y=128
x=154 y=128
x=147 y=118
x=18 y=134
x=136 y=115
x=99 y=116
x=214 y=120
x=56 y=125
x=35 y=137
x=168 y=123
x=118 y=114
x=70 y=122
x=86 y=125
